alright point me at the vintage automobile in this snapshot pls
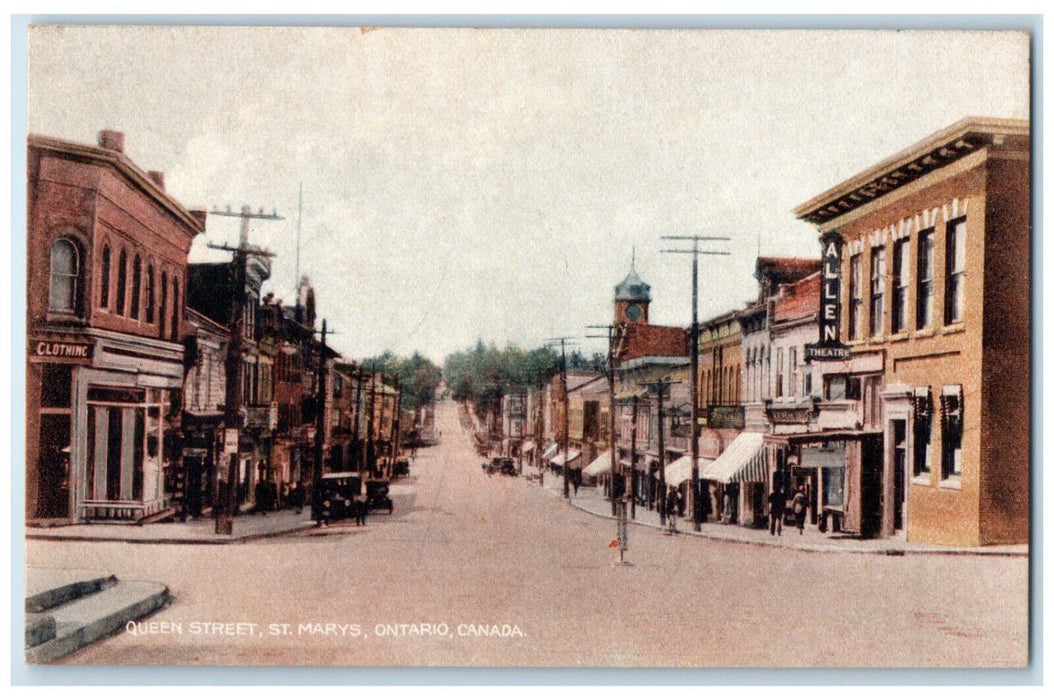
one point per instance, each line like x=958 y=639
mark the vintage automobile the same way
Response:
x=500 y=465
x=377 y=495
x=401 y=467
x=338 y=498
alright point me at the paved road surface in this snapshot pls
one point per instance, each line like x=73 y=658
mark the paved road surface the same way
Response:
x=466 y=549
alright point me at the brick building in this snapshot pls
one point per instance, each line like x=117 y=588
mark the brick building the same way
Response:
x=930 y=250
x=106 y=278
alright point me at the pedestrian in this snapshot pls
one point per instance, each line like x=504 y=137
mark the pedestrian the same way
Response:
x=671 y=510
x=776 y=506
x=296 y=497
x=798 y=506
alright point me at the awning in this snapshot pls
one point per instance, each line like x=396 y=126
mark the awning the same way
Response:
x=560 y=459
x=744 y=460
x=550 y=451
x=527 y=447
x=600 y=465
x=680 y=470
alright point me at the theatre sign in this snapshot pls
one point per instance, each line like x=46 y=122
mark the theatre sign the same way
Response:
x=830 y=346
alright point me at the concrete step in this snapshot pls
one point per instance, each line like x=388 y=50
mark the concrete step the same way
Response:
x=48 y=588
x=89 y=618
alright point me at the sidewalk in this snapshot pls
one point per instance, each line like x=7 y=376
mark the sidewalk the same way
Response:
x=201 y=531
x=591 y=501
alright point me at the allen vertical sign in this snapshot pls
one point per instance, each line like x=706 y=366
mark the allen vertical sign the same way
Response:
x=830 y=346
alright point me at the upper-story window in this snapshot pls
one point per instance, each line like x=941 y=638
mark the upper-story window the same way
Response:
x=792 y=370
x=137 y=282
x=65 y=276
x=924 y=280
x=878 y=289
x=163 y=308
x=122 y=280
x=951 y=432
x=779 y=372
x=856 y=297
x=955 y=259
x=104 y=292
x=899 y=319
x=150 y=294
x=175 y=309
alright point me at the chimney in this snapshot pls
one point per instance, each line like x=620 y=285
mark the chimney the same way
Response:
x=158 y=177
x=111 y=140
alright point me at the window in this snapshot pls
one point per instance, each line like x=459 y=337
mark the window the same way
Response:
x=951 y=432
x=856 y=297
x=924 y=281
x=779 y=372
x=137 y=281
x=164 y=304
x=923 y=422
x=150 y=294
x=955 y=260
x=792 y=370
x=878 y=289
x=65 y=270
x=104 y=293
x=175 y=308
x=899 y=320
x=122 y=280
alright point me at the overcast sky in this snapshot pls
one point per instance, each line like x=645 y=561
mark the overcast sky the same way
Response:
x=462 y=184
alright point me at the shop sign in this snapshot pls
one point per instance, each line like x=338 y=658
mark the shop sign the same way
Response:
x=60 y=350
x=725 y=417
x=230 y=441
x=830 y=346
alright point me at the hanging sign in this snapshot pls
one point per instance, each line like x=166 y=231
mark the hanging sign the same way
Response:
x=830 y=346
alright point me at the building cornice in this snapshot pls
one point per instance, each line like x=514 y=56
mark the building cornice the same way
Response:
x=933 y=153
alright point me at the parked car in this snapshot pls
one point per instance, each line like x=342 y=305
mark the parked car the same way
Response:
x=401 y=467
x=500 y=465
x=377 y=495
x=338 y=498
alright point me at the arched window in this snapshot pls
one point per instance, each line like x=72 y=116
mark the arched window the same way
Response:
x=104 y=293
x=175 y=308
x=163 y=307
x=65 y=270
x=122 y=280
x=137 y=283
x=150 y=294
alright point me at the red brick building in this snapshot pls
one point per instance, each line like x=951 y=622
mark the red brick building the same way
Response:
x=106 y=279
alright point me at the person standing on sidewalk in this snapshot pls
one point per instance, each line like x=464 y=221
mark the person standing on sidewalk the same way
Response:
x=777 y=503
x=671 y=510
x=799 y=509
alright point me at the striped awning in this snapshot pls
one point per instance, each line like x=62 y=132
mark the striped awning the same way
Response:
x=550 y=451
x=680 y=470
x=743 y=460
x=527 y=447
x=562 y=458
x=600 y=465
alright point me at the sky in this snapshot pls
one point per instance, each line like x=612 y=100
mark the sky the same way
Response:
x=464 y=184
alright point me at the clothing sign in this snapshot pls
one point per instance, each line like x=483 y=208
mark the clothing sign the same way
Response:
x=55 y=350
x=830 y=346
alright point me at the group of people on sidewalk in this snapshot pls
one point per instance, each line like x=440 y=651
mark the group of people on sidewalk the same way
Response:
x=778 y=507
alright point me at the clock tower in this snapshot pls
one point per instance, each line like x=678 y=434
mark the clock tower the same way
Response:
x=632 y=297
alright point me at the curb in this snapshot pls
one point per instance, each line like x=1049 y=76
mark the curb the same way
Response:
x=168 y=540
x=814 y=549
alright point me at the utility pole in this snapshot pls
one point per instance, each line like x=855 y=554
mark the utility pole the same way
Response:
x=660 y=387
x=232 y=419
x=320 y=411
x=694 y=353
x=356 y=449
x=370 y=450
x=567 y=409
x=611 y=406
x=397 y=401
x=633 y=461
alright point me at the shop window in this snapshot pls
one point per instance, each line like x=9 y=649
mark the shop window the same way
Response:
x=924 y=281
x=878 y=289
x=899 y=320
x=923 y=434
x=65 y=276
x=56 y=384
x=951 y=432
x=122 y=280
x=856 y=297
x=955 y=261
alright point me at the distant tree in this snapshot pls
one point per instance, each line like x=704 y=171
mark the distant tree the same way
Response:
x=418 y=376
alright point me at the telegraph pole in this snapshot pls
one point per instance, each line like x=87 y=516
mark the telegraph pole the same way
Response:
x=694 y=353
x=611 y=405
x=567 y=408
x=320 y=410
x=660 y=387
x=356 y=450
x=232 y=419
